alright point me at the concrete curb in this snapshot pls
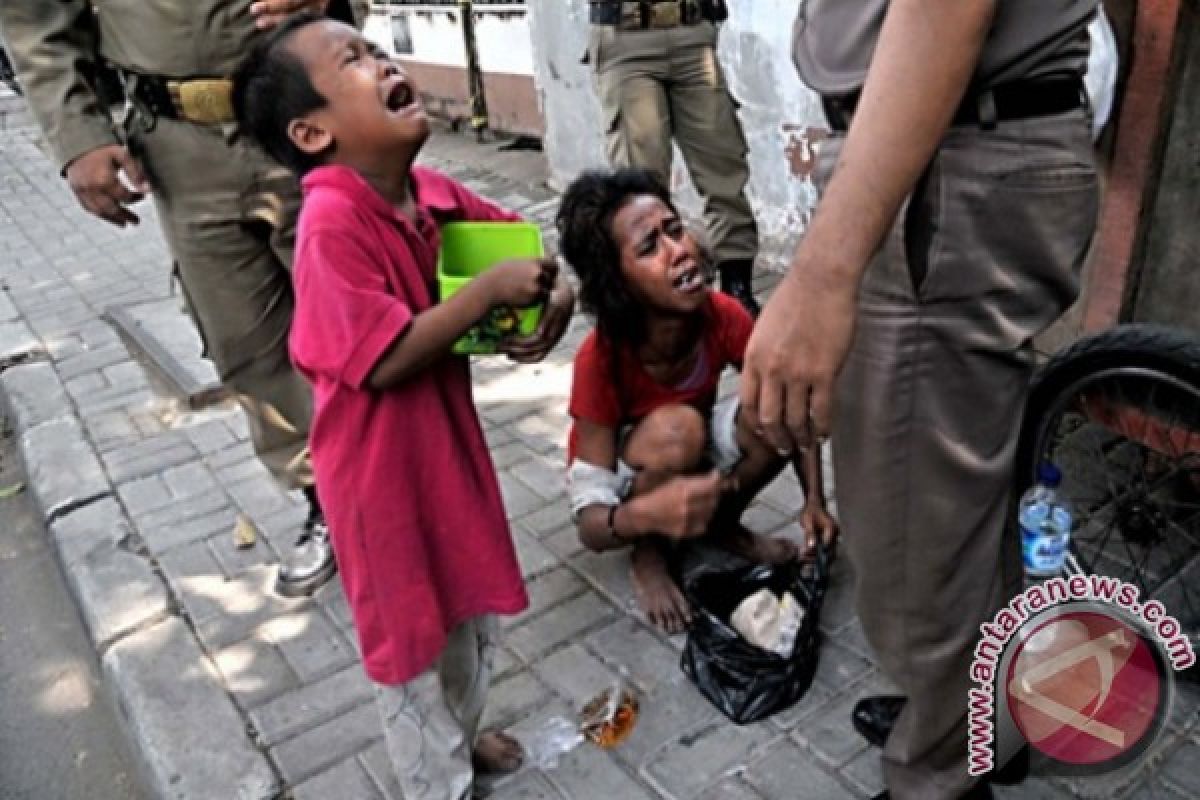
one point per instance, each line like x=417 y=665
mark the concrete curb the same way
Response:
x=186 y=733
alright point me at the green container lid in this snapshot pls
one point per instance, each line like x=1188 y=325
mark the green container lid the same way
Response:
x=469 y=249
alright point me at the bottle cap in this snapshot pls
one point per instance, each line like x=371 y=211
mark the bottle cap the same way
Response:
x=1048 y=474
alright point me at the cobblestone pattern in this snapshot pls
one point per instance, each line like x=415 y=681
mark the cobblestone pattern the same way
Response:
x=155 y=545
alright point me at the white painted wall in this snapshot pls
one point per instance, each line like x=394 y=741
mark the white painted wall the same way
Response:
x=501 y=35
x=782 y=118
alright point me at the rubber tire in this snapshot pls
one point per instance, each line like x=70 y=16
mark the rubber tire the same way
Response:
x=1171 y=351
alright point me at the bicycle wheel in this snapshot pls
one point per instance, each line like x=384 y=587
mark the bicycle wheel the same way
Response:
x=1119 y=414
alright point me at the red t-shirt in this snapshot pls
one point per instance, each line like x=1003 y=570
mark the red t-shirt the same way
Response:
x=597 y=398
x=404 y=475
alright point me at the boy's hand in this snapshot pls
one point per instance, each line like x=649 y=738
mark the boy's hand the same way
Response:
x=683 y=506
x=817 y=522
x=520 y=283
x=534 y=347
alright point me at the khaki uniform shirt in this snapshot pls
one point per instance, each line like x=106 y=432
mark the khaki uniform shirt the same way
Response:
x=54 y=42
x=833 y=41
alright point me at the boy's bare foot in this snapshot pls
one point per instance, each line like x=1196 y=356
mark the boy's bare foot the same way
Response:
x=497 y=752
x=741 y=541
x=657 y=595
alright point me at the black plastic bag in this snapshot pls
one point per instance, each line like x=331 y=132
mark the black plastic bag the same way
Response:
x=744 y=681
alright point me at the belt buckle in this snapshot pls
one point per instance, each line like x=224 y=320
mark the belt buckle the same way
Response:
x=630 y=17
x=205 y=102
x=666 y=15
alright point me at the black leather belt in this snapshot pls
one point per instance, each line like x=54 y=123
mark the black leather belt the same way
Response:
x=1005 y=101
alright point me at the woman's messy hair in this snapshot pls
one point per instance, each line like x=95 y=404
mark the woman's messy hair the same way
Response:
x=587 y=242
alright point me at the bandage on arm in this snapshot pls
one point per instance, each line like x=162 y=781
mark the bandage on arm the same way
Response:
x=590 y=485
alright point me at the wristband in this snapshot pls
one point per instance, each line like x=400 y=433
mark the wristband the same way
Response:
x=612 y=524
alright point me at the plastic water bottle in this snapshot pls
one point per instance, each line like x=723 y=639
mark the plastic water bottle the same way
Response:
x=1045 y=520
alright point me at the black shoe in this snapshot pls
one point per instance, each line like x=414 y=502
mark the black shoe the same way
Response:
x=875 y=716
x=311 y=563
x=736 y=281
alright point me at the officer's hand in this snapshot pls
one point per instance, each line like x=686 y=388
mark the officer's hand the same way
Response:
x=96 y=179
x=795 y=354
x=535 y=346
x=269 y=13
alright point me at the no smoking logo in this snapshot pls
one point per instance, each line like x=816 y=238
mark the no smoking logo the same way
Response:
x=1085 y=688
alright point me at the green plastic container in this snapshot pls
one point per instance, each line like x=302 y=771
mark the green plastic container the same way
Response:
x=470 y=248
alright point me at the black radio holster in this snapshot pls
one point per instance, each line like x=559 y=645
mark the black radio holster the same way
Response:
x=714 y=10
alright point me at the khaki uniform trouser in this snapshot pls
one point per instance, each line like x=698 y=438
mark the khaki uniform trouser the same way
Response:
x=431 y=722
x=229 y=214
x=985 y=255
x=659 y=84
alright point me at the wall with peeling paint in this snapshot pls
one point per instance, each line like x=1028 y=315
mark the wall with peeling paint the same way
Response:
x=782 y=119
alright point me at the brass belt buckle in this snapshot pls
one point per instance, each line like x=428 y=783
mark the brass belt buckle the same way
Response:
x=666 y=15
x=631 y=17
x=204 y=102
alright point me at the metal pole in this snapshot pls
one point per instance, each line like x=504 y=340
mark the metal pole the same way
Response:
x=479 y=110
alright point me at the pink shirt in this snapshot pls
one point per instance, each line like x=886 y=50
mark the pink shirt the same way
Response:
x=404 y=475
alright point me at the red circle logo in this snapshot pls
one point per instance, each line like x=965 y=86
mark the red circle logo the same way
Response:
x=1085 y=688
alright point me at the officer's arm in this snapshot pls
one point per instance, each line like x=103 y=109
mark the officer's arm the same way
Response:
x=924 y=60
x=52 y=43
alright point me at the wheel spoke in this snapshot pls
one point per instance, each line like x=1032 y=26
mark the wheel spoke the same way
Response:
x=1140 y=567
x=1134 y=571
x=1146 y=415
x=1186 y=591
x=1125 y=431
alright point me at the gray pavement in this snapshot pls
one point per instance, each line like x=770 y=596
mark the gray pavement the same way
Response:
x=230 y=691
x=59 y=737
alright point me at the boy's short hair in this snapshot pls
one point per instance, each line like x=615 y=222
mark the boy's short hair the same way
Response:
x=272 y=88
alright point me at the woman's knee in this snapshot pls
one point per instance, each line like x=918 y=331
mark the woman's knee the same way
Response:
x=669 y=439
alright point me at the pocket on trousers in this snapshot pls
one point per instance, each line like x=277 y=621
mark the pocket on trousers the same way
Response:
x=1050 y=177
x=599 y=46
x=715 y=111
x=612 y=119
x=272 y=197
x=1017 y=219
x=270 y=207
x=921 y=224
x=827 y=152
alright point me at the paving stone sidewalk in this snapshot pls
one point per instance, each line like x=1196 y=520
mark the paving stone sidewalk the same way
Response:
x=228 y=690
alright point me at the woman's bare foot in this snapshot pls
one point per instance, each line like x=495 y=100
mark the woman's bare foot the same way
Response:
x=657 y=594
x=497 y=752
x=741 y=541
